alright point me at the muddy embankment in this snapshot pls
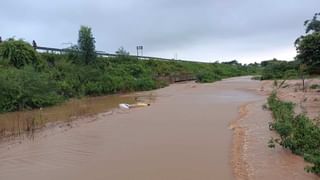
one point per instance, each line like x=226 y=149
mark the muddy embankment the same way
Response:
x=251 y=156
x=185 y=134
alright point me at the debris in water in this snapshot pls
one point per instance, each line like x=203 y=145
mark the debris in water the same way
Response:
x=128 y=106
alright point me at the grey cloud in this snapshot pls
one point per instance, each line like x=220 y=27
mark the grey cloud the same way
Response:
x=213 y=28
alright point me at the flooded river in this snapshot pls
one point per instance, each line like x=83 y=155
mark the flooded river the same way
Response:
x=184 y=135
x=24 y=122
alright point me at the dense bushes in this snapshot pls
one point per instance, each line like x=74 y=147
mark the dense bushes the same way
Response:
x=18 y=53
x=207 y=77
x=275 y=69
x=26 y=89
x=32 y=80
x=297 y=133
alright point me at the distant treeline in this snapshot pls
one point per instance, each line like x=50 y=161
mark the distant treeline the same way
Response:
x=29 y=79
x=307 y=61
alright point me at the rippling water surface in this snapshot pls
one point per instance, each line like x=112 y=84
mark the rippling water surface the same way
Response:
x=183 y=135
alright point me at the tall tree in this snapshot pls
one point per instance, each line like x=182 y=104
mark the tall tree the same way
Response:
x=313 y=25
x=308 y=46
x=86 y=45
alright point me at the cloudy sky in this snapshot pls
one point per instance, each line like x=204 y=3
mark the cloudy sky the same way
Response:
x=204 y=30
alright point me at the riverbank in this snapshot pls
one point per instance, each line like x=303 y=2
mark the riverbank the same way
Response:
x=307 y=101
x=254 y=159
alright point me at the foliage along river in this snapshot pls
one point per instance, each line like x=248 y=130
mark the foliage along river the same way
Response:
x=185 y=134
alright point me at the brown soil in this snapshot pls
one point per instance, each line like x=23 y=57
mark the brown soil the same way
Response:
x=260 y=161
x=307 y=101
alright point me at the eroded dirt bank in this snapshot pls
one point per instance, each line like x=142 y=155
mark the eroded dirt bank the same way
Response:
x=254 y=160
x=183 y=135
x=261 y=161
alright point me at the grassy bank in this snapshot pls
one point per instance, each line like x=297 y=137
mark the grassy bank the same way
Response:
x=33 y=80
x=297 y=132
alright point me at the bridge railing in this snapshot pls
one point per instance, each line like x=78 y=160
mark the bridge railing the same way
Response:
x=104 y=54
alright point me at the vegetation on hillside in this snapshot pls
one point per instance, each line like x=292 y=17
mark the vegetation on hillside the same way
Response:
x=297 y=133
x=29 y=79
x=277 y=69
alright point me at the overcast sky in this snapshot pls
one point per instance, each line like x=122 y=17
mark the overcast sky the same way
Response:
x=205 y=30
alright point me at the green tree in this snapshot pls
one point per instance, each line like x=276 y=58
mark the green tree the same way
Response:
x=86 y=45
x=18 y=53
x=308 y=47
x=313 y=25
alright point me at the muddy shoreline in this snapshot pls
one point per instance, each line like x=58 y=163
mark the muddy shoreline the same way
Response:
x=251 y=157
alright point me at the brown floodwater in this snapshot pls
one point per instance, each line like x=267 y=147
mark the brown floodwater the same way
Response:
x=18 y=123
x=183 y=135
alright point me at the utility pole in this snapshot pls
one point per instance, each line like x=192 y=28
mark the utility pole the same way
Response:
x=176 y=56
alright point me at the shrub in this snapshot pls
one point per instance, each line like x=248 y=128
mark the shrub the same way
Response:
x=207 y=77
x=298 y=133
x=315 y=86
x=18 y=53
x=26 y=89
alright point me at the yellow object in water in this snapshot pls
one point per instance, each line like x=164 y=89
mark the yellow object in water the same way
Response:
x=139 y=105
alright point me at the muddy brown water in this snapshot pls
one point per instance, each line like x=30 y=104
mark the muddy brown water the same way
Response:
x=17 y=123
x=183 y=135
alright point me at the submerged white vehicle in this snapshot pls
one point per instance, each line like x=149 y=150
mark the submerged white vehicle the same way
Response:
x=124 y=106
x=128 y=106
